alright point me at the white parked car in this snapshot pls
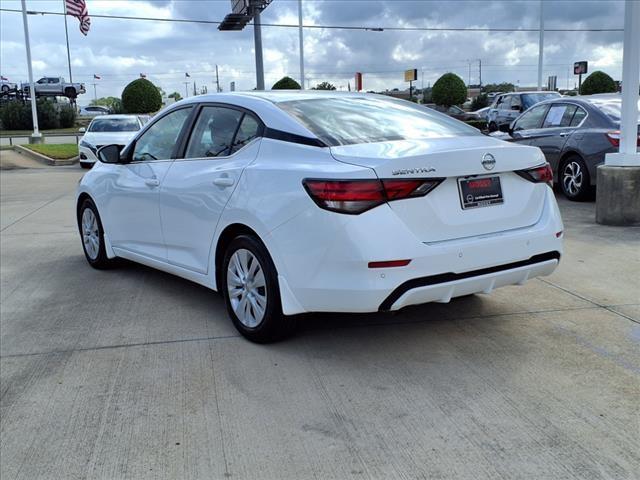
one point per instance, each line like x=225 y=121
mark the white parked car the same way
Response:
x=293 y=202
x=94 y=111
x=107 y=130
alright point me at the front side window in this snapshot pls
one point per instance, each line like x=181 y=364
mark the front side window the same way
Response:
x=213 y=133
x=159 y=141
x=505 y=103
x=559 y=115
x=352 y=120
x=515 y=102
x=531 y=118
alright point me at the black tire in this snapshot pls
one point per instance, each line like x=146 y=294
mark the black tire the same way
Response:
x=86 y=165
x=101 y=261
x=574 y=179
x=493 y=127
x=274 y=325
x=5 y=88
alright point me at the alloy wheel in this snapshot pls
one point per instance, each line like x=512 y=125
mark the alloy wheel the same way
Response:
x=572 y=178
x=90 y=233
x=247 y=288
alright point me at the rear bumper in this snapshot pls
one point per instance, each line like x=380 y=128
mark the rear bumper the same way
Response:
x=442 y=288
x=326 y=269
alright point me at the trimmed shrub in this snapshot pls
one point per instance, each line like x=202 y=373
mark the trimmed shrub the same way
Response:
x=48 y=117
x=598 y=82
x=141 y=96
x=479 y=102
x=479 y=124
x=67 y=116
x=286 y=83
x=449 y=90
x=15 y=116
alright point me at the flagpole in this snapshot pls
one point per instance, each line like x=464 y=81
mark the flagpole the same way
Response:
x=66 y=33
x=36 y=136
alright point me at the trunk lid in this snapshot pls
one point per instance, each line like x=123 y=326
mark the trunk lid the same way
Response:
x=439 y=216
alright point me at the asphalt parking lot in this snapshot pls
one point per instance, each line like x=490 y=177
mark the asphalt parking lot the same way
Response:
x=133 y=373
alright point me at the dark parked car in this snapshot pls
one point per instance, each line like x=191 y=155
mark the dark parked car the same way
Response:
x=574 y=133
x=453 y=111
x=508 y=106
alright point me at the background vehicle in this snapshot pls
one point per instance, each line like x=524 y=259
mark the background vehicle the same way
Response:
x=453 y=111
x=293 y=202
x=480 y=114
x=54 y=86
x=94 y=110
x=6 y=86
x=575 y=134
x=509 y=105
x=107 y=130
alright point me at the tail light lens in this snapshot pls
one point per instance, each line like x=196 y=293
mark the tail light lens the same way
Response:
x=357 y=196
x=541 y=174
x=614 y=138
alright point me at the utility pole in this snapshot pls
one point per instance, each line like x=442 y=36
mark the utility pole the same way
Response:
x=257 y=39
x=217 y=80
x=186 y=89
x=36 y=136
x=541 y=45
x=301 y=44
x=480 y=76
x=66 y=33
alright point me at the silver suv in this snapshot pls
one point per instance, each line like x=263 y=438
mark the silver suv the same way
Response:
x=508 y=106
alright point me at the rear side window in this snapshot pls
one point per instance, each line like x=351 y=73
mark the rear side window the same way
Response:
x=559 y=116
x=213 y=133
x=248 y=130
x=578 y=117
x=352 y=120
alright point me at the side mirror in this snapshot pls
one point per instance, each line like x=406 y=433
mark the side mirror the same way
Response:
x=109 y=154
x=82 y=129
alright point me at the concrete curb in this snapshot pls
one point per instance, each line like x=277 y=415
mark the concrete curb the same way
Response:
x=43 y=158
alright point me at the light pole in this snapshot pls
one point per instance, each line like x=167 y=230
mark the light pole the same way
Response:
x=36 y=136
x=257 y=39
x=301 y=44
x=541 y=45
x=186 y=89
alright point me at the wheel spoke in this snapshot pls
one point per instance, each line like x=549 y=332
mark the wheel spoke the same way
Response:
x=246 y=288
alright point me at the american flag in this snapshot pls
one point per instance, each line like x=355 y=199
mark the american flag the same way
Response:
x=96 y=77
x=186 y=74
x=78 y=9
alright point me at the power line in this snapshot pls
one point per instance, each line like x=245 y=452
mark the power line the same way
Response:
x=334 y=27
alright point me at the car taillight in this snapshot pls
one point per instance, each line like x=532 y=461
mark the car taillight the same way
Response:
x=541 y=174
x=357 y=196
x=614 y=138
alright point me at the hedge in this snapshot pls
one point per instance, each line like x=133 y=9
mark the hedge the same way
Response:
x=449 y=90
x=16 y=115
x=286 y=83
x=141 y=96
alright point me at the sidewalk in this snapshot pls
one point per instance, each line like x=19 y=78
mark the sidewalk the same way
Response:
x=10 y=160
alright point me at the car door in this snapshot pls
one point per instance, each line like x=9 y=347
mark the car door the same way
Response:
x=504 y=110
x=223 y=142
x=526 y=126
x=53 y=85
x=556 y=129
x=131 y=206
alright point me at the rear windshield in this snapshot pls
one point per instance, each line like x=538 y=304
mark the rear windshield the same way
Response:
x=351 y=120
x=114 y=125
x=530 y=99
x=611 y=107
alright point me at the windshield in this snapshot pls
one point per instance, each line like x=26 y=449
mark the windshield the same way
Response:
x=530 y=99
x=611 y=107
x=351 y=120
x=114 y=125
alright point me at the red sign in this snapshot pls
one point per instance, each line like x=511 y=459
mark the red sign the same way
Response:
x=358 y=81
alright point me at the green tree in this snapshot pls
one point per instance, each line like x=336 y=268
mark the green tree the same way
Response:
x=113 y=103
x=598 y=82
x=324 y=86
x=286 y=83
x=449 y=90
x=175 y=95
x=499 y=87
x=141 y=96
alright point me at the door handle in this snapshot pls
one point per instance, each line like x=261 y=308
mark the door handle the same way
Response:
x=564 y=134
x=152 y=182
x=224 y=181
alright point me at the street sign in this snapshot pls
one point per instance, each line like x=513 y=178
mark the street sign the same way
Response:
x=358 y=81
x=233 y=86
x=579 y=68
x=411 y=75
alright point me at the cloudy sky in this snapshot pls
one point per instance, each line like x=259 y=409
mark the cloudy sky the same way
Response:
x=118 y=50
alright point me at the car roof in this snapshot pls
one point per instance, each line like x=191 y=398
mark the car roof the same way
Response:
x=116 y=116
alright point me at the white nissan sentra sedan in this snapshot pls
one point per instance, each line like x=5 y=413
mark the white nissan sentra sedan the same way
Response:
x=292 y=202
x=107 y=130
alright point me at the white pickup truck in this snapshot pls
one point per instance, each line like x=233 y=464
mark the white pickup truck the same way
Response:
x=54 y=86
